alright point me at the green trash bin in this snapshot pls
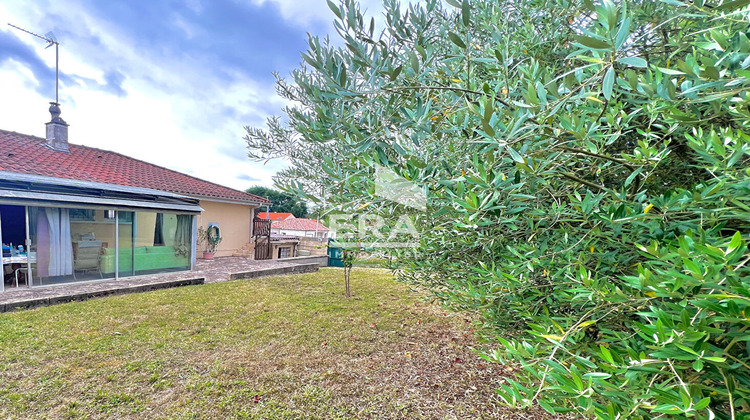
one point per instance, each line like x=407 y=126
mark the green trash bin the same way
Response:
x=335 y=255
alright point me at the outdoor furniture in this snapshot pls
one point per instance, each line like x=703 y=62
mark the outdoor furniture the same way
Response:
x=87 y=257
x=25 y=271
x=18 y=263
x=7 y=272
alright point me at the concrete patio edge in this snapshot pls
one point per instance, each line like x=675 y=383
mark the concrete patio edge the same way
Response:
x=220 y=270
x=277 y=271
x=80 y=296
x=84 y=291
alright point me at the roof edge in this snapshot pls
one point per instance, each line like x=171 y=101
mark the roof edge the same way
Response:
x=50 y=180
x=227 y=200
x=262 y=200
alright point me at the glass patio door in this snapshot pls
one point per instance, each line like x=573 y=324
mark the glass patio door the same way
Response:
x=126 y=233
x=14 y=234
x=71 y=244
x=49 y=231
x=161 y=242
x=3 y=270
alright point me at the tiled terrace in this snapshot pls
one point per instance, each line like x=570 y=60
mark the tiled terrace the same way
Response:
x=220 y=269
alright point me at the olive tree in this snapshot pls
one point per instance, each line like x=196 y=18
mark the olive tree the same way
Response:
x=588 y=179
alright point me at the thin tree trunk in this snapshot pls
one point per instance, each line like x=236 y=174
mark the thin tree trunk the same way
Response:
x=347 y=276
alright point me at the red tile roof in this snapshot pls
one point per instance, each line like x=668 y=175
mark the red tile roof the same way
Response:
x=299 y=224
x=275 y=216
x=26 y=154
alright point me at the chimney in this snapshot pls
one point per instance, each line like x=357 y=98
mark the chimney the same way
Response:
x=57 y=130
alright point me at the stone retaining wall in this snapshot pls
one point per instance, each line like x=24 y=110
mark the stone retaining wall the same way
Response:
x=294 y=269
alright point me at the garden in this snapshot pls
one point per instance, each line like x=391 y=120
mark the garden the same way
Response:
x=587 y=172
x=286 y=347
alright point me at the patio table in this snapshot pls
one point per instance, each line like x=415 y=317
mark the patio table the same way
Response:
x=18 y=262
x=19 y=259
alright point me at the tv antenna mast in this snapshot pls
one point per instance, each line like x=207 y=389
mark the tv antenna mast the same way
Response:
x=51 y=40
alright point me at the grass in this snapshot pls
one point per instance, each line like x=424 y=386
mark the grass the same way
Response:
x=270 y=348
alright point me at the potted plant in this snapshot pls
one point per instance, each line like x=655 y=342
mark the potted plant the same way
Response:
x=210 y=239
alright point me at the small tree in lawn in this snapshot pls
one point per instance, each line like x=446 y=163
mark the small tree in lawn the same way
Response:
x=348 y=259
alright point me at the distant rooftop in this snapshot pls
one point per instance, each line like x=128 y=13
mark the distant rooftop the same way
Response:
x=299 y=224
x=275 y=216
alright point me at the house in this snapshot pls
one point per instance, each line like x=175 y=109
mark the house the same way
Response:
x=82 y=213
x=284 y=246
x=300 y=227
x=275 y=216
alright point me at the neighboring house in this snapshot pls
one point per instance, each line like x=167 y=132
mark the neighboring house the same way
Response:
x=275 y=216
x=86 y=213
x=300 y=227
x=284 y=246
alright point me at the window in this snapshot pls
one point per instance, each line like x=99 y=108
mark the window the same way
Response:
x=284 y=252
x=82 y=214
x=125 y=216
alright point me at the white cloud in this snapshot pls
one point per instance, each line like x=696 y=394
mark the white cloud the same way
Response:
x=180 y=110
x=173 y=112
x=303 y=12
x=307 y=12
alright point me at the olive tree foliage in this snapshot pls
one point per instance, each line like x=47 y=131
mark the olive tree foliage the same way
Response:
x=588 y=174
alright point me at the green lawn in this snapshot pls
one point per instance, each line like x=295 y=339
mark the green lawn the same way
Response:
x=277 y=347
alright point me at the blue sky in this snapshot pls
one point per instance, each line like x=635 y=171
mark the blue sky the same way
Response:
x=166 y=81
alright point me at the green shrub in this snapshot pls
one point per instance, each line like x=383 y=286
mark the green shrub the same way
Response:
x=589 y=186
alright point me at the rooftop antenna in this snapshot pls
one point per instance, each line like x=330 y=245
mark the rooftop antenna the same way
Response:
x=51 y=40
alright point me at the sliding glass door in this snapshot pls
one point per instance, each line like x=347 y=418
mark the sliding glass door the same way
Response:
x=125 y=241
x=154 y=242
x=71 y=244
x=62 y=245
x=3 y=271
x=162 y=242
x=15 y=258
